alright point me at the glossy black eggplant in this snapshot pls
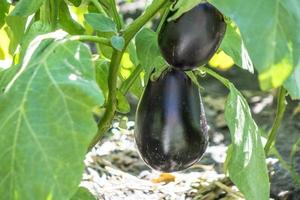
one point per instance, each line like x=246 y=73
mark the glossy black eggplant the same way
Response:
x=171 y=129
x=193 y=38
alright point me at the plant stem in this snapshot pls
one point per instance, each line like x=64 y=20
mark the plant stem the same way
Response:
x=216 y=75
x=53 y=5
x=109 y=113
x=281 y=106
x=286 y=166
x=116 y=15
x=163 y=18
x=130 y=80
x=43 y=13
x=129 y=33
x=132 y=29
x=98 y=6
x=91 y=38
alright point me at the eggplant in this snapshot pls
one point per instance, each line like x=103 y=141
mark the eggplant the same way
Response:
x=171 y=128
x=193 y=38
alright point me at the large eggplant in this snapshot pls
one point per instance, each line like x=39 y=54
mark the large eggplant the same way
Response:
x=171 y=129
x=193 y=38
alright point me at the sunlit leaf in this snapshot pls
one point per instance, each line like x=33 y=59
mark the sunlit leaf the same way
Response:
x=270 y=31
x=233 y=45
x=221 y=61
x=46 y=120
x=276 y=75
x=2 y=54
x=246 y=166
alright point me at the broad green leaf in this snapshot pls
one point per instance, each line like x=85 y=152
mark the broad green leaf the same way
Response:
x=100 y=22
x=292 y=84
x=118 y=42
x=183 y=6
x=83 y=194
x=233 y=46
x=67 y=22
x=37 y=28
x=46 y=120
x=246 y=166
x=148 y=51
x=122 y=103
x=3 y=11
x=270 y=30
x=6 y=76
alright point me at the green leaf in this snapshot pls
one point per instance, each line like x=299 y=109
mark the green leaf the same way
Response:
x=67 y=22
x=15 y=30
x=123 y=105
x=83 y=194
x=271 y=32
x=131 y=49
x=106 y=51
x=37 y=28
x=246 y=166
x=75 y=2
x=3 y=11
x=7 y=75
x=292 y=84
x=233 y=46
x=100 y=22
x=183 y=6
x=2 y=54
x=102 y=70
x=148 y=51
x=24 y=8
x=118 y=42
x=46 y=120
x=16 y=21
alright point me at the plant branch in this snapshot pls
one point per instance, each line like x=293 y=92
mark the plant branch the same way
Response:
x=129 y=33
x=91 y=38
x=116 y=15
x=133 y=28
x=53 y=13
x=215 y=75
x=98 y=6
x=281 y=106
x=286 y=166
